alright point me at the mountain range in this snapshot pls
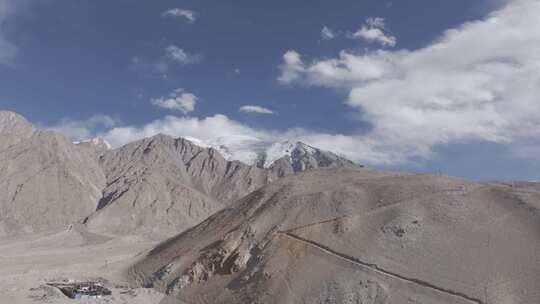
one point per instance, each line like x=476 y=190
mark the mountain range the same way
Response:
x=294 y=224
x=157 y=186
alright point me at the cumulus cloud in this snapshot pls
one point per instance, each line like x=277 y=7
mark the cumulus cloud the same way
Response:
x=480 y=81
x=334 y=72
x=172 y=56
x=233 y=139
x=374 y=30
x=78 y=130
x=255 y=109
x=414 y=100
x=178 y=100
x=7 y=49
x=209 y=128
x=292 y=68
x=327 y=33
x=178 y=55
x=240 y=141
x=9 y=10
x=188 y=15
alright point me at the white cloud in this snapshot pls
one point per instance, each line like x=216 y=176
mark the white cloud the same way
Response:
x=376 y=22
x=189 y=15
x=7 y=49
x=375 y=30
x=178 y=100
x=292 y=68
x=480 y=81
x=173 y=55
x=233 y=139
x=241 y=142
x=9 y=11
x=414 y=100
x=82 y=130
x=209 y=128
x=334 y=72
x=327 y=33
x=149 y=66
x=255 y=109
x=178 y=55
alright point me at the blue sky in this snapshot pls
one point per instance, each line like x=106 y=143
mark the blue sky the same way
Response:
x=126 y=69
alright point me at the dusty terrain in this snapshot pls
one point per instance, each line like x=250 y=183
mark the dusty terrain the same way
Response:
x=28 y=263
x=324 y=236
x=359 y=236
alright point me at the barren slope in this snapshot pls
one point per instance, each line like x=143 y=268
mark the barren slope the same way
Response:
x=359 y=236
x=161 y=185
x=46 y=182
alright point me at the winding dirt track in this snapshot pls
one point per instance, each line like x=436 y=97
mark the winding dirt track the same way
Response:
x=380 y=270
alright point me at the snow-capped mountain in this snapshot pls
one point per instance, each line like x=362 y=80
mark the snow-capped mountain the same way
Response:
x=98 y=144
x=159 y=185
x=289 y=157
x=282 y=158
x=242 y=148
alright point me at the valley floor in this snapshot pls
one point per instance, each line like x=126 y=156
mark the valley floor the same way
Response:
x=28 y=263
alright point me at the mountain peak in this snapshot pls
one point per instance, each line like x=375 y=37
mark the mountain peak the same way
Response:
x=279 y=150
x=288 y=157
x=10 y=114
x=282 y=157
x=13 y=129
x=11 y=121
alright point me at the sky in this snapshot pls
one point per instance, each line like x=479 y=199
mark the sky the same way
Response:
x=424 y=86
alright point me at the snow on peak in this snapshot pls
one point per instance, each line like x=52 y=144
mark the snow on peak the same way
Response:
x=254 y=151
x=96 y=141
x=198 y=142
x=277 y=151
x=238 y=147
x=285 y=148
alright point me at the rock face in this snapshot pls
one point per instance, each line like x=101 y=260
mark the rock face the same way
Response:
x=164 y=185
x=358 y=236
x=46 y=181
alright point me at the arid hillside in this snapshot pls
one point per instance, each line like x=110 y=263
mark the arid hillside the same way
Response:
x=358 y=236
